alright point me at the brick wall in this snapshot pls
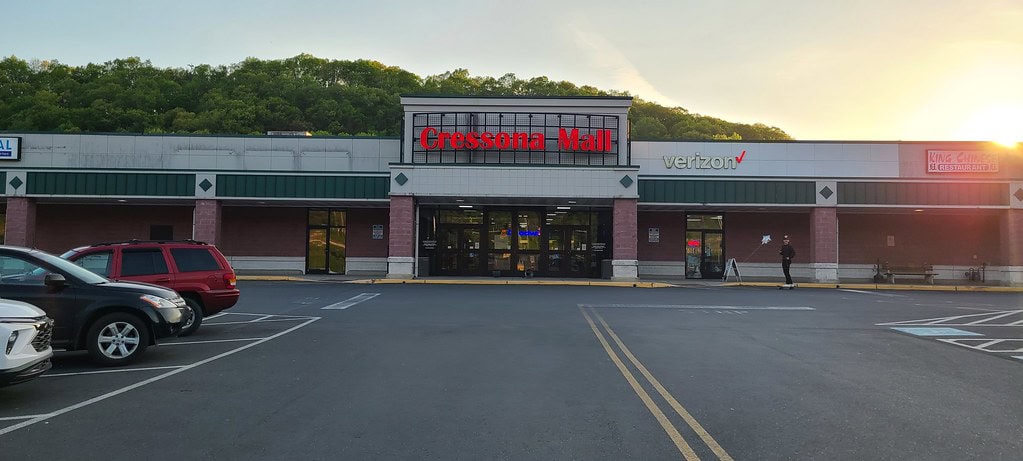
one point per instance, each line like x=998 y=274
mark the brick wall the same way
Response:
x=744 y=231
x=625 y=222
x=360 y=232
x=1011 y=231
x=920 y=238
x=207 y=221
x=672 y=225
x=401 y=240
x=263 y=231
x=824 y=235
x=20 y=222
x=62 y=227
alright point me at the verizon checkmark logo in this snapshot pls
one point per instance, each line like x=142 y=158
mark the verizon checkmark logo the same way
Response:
x=699 y=161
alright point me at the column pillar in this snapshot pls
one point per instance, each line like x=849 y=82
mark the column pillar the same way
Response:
x=824 y=244
x=624 y=263
x=401 y=244
x=1011 y=240
x=20 y=229
x=206 y=220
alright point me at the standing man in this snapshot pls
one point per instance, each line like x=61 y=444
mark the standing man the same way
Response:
x=787 y=253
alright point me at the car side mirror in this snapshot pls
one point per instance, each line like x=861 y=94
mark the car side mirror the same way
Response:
x=55 y=281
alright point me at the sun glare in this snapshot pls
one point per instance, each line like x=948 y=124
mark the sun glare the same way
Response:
x=1001 y=124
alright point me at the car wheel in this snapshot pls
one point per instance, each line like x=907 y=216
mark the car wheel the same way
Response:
x=196 y=319
x=117 y=339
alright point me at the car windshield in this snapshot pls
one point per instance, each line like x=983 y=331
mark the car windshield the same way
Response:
x=71 y=268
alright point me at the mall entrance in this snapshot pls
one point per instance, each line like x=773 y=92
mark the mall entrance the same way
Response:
x=514 y=242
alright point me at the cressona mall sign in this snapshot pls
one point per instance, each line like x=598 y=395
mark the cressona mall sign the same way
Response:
x=568 y=140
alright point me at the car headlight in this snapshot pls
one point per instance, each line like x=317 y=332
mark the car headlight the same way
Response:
x=11 y=341
x=158 y=302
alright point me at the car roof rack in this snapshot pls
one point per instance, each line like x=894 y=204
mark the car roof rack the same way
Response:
x=134 y=241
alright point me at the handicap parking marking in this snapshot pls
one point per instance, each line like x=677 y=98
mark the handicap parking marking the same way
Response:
x=935 y=331
x=351 y=301
x=1015 y=345
x=941 y=329
x=1013 y=318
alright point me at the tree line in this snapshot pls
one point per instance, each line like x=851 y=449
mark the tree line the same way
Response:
x=303 y=93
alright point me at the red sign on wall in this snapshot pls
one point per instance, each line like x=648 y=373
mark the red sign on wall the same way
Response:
x=568 y=140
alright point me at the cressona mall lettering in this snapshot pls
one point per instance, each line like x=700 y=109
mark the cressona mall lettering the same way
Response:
x=570 y=140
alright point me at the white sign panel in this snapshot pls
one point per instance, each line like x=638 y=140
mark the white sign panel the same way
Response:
x=10 y=148
x=766 y=159
x=961 y=161
x=653 y=235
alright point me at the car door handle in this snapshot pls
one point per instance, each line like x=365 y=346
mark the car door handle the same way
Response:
x=163 y=280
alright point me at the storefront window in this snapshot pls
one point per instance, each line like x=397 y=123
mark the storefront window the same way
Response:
x=500 y=230
x=500 y=261
x=528 y=230
x=461 y=217
x=705 y=222
x=318 y=218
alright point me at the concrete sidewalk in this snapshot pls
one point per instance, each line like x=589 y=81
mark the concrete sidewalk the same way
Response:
x=644 y=283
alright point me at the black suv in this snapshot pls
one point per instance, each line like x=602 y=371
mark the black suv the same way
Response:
x=114 y=321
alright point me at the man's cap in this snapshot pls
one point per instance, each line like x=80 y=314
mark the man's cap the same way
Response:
x=785 y=237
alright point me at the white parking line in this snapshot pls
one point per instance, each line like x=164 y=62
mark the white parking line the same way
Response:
x=99 y=372
x=260 y=315
x=351 y=301
x=260 y=319
x=210 y=341
x=248 y=322
x=15 y=418
x=41 y=418
x=701 y=307
x=888 y=295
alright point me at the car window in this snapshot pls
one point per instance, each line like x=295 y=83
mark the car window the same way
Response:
x=142 y=262
x=194 y=259
x=17 y=271
x=97 y=263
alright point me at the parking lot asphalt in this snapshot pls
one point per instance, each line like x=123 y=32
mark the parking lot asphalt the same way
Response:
x=346 y=371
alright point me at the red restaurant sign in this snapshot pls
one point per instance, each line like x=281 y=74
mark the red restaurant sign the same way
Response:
x=568 y=140
x=961 y=161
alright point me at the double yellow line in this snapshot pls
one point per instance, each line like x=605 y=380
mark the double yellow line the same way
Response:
x=669 y=428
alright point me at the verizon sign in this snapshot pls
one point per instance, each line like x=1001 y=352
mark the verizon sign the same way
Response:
x=961 y=161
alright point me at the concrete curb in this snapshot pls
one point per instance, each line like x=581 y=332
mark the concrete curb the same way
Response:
x=273 y=278
x=594 y=283
x=883 y=286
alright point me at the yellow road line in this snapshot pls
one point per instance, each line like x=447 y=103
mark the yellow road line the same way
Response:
x=693 y=423
x=670 y=429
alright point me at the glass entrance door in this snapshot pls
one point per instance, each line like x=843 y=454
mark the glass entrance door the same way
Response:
x=459 y=250
x=705 y=246
x=568 y=251
x=705 y=254
x=325 y=242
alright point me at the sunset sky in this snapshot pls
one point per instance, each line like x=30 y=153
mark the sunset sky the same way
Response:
x=866 y=70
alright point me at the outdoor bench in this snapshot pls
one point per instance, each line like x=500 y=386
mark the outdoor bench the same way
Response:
x=925 y=270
